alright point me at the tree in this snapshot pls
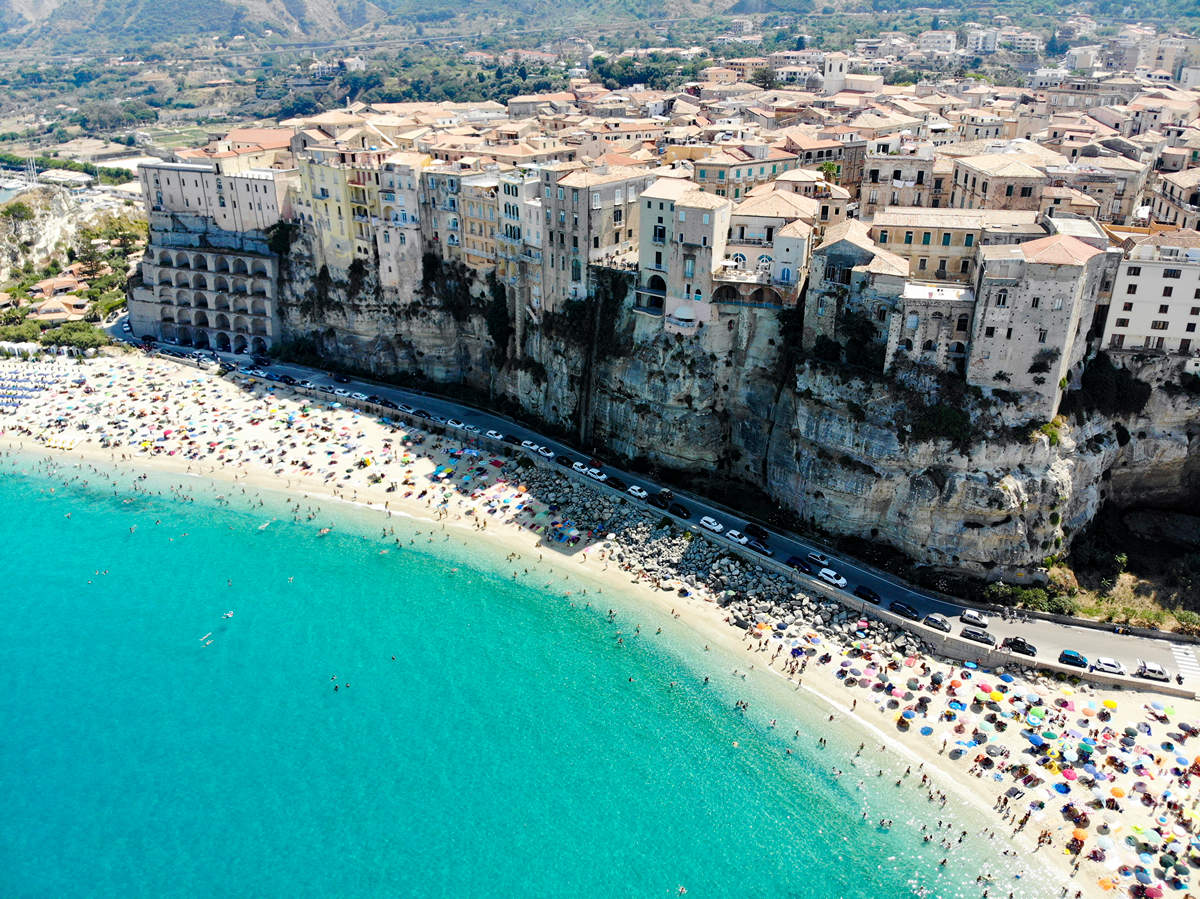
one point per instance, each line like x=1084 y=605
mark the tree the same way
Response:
x=764 y=78
x=829 y=169
x=801 y=43
x=936 y=24
x=90 y=257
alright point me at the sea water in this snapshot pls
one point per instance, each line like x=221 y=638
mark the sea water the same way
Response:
x=487 y=736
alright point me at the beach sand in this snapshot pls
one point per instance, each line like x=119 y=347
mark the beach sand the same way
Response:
x=148 y=415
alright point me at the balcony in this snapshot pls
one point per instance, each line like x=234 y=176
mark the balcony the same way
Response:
x=680 y=325
x=388 y=196
x=751 y=242
x=743 y=276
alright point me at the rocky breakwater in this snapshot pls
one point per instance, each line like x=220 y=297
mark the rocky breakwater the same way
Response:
x=653 y=548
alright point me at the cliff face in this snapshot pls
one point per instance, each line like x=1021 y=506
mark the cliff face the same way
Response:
x=726 y=401
x=53 y=226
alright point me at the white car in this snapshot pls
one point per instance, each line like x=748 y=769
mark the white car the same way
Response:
x=819 y=558
x=597 y=475
x=970 y=616
x=1108 y=666
x=637 y=492
x=406 y=409
x=358 y=396
x=529 y=445
x=340 y=391
x=737 y=537
x=712 y=524
x=1151 y=671
x=579 y=467
x=308 y=385
x=454 y=423
x=495 y=435
x=829 y=576
x=546 y=452
x=125 y=327
x=474 y=429
x=437 y=419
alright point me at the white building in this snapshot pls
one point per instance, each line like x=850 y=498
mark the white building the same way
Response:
x=1156 y=295
x=982 y=40
x=937 y=42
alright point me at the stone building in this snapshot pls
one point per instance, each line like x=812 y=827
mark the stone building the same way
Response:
x=1178 y=199
x=209 y=278
x=996 y=181
x=1034 y=305
x=1156 y=295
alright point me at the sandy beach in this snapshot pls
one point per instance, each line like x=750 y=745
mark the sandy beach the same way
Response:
x=1092 y=790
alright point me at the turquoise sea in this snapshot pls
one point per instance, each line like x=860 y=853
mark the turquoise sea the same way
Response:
x=485 y=738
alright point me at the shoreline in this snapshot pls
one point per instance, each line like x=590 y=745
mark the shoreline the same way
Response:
x=699 y=612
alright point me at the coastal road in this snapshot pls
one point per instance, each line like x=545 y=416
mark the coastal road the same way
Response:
x=1050 y=638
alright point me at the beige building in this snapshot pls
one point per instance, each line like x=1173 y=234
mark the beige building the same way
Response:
x=1156 y=295
x=1178 y=199
x=996 y=181
x=942 y=243
x=1034 y=305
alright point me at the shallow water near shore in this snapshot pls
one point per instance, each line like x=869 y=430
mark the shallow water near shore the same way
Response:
x=153 y=747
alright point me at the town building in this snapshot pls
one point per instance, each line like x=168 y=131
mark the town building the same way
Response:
x=1156 y=295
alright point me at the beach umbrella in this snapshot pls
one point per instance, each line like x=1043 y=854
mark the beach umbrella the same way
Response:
x=1110 y=703
x=909 y=714
x=926 y=731
x=996 y=696
x=1105 y=842
x=1036 y=740
x=1080 y=834
x=1142 y=876
x=1062 y=788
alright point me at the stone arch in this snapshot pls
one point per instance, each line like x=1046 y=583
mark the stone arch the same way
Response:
x=164 y=258
x=766 y=296
x=199 y=300
x=238 y=267
x=238 y=285
x=258 y=307
x=260 y=269
x=183 y=298
x=221 y=321
x=222 y=341
x=183 y=335
x=200 y=262
x=239 y=325
x=726 y=293
x=258 y=287
x=169 y=334
x=740 y=260
x=258 y=326
x=221 y=264
x=181 y=280
x=928 y=347
x=165 y=293
x=164 y=277
x=220 y=282
x=182 y=260
x=200 y=319
x=656 y=283
x=200 y=282
x=239 y=343
x=258 y=345
x=200 y=340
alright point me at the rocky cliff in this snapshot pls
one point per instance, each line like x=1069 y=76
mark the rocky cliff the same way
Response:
x=936 y=471
x=37 y=225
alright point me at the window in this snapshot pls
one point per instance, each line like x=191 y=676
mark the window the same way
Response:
x=883 y=235
x=962 y=323
x=1058 y=302
x=703 y=174
x=969 y=240
x=1122 y=323
x=1042 y=335
x=1008 y=191
x=1027 y=191
x=1035 y=302
x=908 y=236
x=720 y=176
x=1131 y=289
x=1191 y=327
x=1167 y=291
x=1002 y=297
x=689 y=266
x=964 y=266
x=946 y=239
x=1134 y=270
x=925 y=238
x=683 y=215
x=1158 y=325
x=1164 y=309
x=1172 y=273
x=660 y=234
x=596 y=242
x=989 y=332
x=1127 y=307
x=922 y=263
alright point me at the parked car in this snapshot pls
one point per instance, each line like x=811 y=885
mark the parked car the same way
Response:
x=616 y=483
x=375 y=398
x=659 y=501
x=361 y=397
x=737 y=537
x=712 y=524
x=256 y=373
x=387 y=404
x=597 y=475
x=863 y=592
x=436 y=419
x=937 y=622
x=904 y=610
x=578 y=466
x=563 y=460
x=287 y=379
x=1151 y=671
x=529 y=445
x=421 y=413
x=1019 y=644
x=454 y=423
x=973 y=617
x=637 y=492
x=308 y=385
x=405 y=408
x=125 y=327
x=974 y=633
x=342 y=392
x=511 y=440
x=495 y=435
x=829 y=576
x=756 y=531
x=819 y=559
x=1108 y=666
x=341 y=379
x=679 y=509
x=1072 y=658
x=470 y=428
x=546 y=452
x=797 y=563
x=760 y=548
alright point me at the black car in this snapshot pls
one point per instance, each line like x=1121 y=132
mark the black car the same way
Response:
x=758 y=532
x=507 y=438
x=801 y=565
x=1019 y=644
x=979 y=636
x=563 y=460
x=659 y=501
x=387 y=404
x=287 y=379
x=863 y=592
x=262 y=361
x=375 y=398
x=341 y=379
x=680 y=510
x=904 y=610
x=760 y=548
x=421 y=413
x=617 y=484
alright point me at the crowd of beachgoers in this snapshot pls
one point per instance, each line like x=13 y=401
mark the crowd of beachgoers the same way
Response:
x=1099 y=786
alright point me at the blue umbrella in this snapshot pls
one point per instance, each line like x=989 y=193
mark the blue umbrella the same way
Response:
x=1037 y=740
x=970 y=665
x=910 y=714
x=1062 y=788
x=796 y=651
x=1142 y=876
x=958 y=706
x=1181 y=760
x=926 y=731
x=1007 y=678
x=1146 y=858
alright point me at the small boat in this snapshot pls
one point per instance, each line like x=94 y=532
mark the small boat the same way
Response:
x=324 y=532
x=228 y=614
x=264 y=525
x=206 y=636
